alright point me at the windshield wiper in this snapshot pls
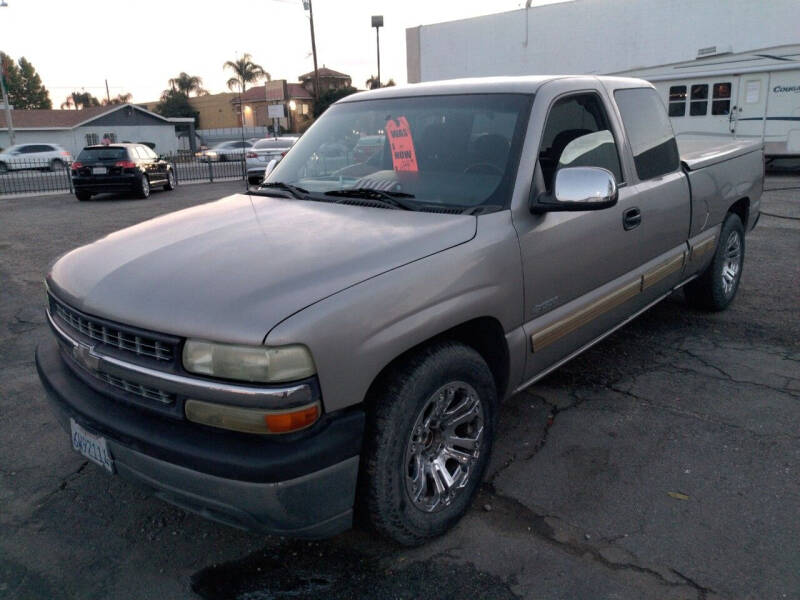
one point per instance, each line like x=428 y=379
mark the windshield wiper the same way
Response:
x=390 y=198
x=295 y=191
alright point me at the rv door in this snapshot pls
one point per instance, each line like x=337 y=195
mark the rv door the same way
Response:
x=751 y=105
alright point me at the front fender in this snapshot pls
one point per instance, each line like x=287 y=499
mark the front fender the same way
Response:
x=355 y=333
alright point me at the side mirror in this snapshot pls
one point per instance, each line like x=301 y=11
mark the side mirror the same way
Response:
x=577 y=189
x=270 y=167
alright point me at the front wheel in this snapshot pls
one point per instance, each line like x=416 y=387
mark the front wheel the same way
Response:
x=428 y=440
x=715 y=289
x=3 y=168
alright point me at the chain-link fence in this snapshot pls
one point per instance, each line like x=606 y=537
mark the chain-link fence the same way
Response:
x=37 y=177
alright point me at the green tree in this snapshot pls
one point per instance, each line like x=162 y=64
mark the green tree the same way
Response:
x=372 y=83
x=175 y=104
x=187 y=84
x=78 y=100
x=328 y=97
x=23 y=84
x=245 y=71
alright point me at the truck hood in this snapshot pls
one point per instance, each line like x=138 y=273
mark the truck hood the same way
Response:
x=232 y=269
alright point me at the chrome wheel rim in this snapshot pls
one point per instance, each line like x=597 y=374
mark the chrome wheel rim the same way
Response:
x=732 y=262
x=145 y=185
x=171 y=177
x=444 y=446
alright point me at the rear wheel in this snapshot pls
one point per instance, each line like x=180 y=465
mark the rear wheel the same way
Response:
x=428 y=440
x=144 y=187
x=56 y=165
x=171 y=182
x=715 y=289
x=83 y=196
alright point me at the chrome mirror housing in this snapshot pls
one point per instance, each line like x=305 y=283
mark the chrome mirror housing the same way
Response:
x=579 y=188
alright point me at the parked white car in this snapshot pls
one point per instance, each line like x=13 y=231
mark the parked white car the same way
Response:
x=34 y=156
x=262 y=152
x=225 y=151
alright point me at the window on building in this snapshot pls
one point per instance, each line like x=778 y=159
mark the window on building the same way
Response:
x=677 y=101
x=698 y=105
x=577 y=134
x=721 y=103
x=305 y=108
x=655 y=152
x=92 y=139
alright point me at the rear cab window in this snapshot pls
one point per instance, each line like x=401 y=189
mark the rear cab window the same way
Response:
x=652 y=141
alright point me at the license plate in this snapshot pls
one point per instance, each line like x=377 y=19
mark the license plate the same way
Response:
x=92 y=446
x=99 y=170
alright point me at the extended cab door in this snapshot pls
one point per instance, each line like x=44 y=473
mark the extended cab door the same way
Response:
x=586 y=272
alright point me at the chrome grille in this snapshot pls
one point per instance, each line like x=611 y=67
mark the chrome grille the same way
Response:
x=135 y=388
x=112 y=336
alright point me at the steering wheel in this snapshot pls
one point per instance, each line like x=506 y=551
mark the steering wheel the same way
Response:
x=483 y=169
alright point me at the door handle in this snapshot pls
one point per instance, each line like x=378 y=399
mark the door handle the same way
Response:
x=631 y=218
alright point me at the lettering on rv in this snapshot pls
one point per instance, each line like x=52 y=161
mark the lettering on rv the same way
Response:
x=781 y=89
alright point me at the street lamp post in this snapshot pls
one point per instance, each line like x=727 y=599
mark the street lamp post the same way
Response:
x=377 y=23
x=9 y=121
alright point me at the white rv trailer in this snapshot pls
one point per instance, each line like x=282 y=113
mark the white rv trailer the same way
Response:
x=753 y=94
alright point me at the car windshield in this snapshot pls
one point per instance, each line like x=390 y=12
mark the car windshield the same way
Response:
x=458 y=150
x=89 y=154
x=274 y=143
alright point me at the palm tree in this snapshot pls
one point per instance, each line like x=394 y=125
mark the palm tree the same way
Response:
x=80 y=100
x=373 y=83
x=186 y=84
x=118 y=99
x=245 y=71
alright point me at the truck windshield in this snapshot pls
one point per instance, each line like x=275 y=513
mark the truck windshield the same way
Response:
x=459 y=150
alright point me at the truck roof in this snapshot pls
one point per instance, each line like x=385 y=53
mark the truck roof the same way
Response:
x=527 y=84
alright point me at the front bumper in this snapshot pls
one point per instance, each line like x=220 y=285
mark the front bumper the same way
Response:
x=300 y=487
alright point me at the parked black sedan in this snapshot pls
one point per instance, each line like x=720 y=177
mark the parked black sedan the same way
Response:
x=120 y=168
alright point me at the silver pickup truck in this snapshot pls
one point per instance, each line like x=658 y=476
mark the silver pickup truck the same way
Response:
x=341 y=339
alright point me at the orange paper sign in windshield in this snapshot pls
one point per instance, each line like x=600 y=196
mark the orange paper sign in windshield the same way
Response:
x=403 y=156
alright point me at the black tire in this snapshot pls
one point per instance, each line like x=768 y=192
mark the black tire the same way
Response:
x=3 y=168
x=716 y=287
x=143 y=190
x=56 y=165
x=83 y=196
x=396 y=441
x=171 y=181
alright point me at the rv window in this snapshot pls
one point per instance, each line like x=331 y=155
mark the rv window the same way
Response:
x=722 y=99
x=677 y=101
x=698 y=107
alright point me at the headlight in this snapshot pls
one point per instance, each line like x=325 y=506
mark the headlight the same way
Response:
x=248 y=363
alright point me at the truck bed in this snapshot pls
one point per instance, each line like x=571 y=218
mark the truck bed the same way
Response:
x=700 y=151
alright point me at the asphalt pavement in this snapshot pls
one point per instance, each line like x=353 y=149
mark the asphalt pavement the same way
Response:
x=662 y=463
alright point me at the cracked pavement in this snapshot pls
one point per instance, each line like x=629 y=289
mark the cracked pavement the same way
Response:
x=662 y=463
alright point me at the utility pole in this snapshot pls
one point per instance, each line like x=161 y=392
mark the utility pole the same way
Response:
x=108 y=95
x=377 y=23
x=310 y=9
x=9 y=122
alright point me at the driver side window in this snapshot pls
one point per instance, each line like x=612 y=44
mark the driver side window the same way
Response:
x=577 y=134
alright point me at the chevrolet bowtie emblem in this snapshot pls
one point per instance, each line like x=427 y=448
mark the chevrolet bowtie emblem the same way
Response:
x=85 y=356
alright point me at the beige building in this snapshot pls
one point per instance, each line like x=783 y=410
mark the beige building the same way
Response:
x=215 y=111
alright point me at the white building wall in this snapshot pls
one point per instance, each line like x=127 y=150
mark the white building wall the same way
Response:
x=598 y=36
